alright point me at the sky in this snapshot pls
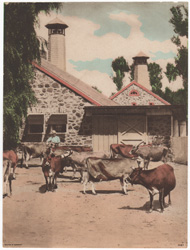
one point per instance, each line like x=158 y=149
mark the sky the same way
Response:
x=99 y=32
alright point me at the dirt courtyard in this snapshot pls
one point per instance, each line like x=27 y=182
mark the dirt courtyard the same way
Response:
x=69 y=219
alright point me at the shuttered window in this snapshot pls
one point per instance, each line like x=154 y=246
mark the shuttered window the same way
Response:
x=58 y=122
x=35 y=124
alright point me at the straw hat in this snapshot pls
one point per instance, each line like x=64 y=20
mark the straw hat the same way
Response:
x=53 y=132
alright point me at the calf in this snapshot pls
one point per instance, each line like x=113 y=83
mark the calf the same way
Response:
x=51 y=167
x=158 y=180
x=12 y=156
x=106 y=170
x=7 y=177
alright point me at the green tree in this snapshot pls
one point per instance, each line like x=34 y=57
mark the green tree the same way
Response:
x=21 y=47
x=155 y=74
x=179 y=21
x=120 y=66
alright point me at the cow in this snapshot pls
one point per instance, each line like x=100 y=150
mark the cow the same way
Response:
x=77 y=160
x=12 y=156
x=99 y=169
x=51 y=167
x=160 y=180
x=33 y=151
x=73 y=148
x=122 y=150
x=7 y=177
x=151 y=153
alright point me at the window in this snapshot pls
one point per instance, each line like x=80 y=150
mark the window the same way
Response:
x=134 y=92
x=57 y=31
x=151 y=103
x=58 y=123
x=35 y=124
x=59 y=128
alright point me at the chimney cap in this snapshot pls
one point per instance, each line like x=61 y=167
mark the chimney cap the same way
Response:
x=56 y=23
x=141 y=54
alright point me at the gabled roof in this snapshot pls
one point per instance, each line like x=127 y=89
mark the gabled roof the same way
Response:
x=142 y=87
x=75 y=84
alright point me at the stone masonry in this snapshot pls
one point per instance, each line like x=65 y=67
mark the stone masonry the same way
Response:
x=144 y=97
x=54 y=98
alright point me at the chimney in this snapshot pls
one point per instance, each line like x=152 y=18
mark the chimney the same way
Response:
x=56 y=43
x=141 y=74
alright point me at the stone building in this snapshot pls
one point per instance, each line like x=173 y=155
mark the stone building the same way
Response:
x=84 y=117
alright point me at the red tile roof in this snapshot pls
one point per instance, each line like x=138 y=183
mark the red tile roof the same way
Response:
x=75 y=84
x=142 y=87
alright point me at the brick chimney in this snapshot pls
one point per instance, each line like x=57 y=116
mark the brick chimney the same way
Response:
x=56 y=43
x=141 y=74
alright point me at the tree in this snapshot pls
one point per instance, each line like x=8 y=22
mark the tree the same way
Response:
x=155 y=74
x=179 y=21
x=120 y=66
x=21 y=47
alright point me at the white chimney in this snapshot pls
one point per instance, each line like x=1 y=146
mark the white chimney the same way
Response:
x=56 y=43
x=141 y=74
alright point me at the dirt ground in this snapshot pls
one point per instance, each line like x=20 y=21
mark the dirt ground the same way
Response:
x=69 y=219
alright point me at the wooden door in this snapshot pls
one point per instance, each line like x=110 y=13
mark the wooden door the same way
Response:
x=104 y=132
x=131 y=129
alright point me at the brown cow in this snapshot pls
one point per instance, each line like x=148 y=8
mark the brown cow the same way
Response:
x=122 y=150
x=12 y=156
x=51 y=167
x=158 y=180
x=7 y=177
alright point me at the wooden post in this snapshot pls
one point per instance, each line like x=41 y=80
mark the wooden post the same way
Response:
x=176 y=128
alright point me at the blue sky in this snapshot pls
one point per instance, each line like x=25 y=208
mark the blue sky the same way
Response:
x=102 y=31
x=154 y=17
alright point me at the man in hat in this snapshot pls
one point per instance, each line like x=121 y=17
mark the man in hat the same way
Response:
x=53 y=139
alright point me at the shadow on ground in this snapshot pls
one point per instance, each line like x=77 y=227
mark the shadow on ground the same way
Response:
x=145 y=207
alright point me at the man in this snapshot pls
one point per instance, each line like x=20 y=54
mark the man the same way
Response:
x=54 y=139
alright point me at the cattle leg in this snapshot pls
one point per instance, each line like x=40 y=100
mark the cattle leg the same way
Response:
x=85 y=178
x=74 y=170
x=146 y=163
x=47 y=184
x=124 y=185
x=169 y=199
x=93 y=187
x=161 y=199
x=54 y=183
x=151 y=202
x=14 y=169
x=10 y=184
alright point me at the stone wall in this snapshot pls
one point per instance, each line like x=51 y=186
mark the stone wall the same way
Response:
x=159 y=125
x=54 y=98
x=144 y=98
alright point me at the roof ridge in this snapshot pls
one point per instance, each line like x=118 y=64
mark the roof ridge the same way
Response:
x=54 y=71
x=142 y=87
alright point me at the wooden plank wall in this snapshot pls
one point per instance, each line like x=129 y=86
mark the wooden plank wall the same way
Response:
x=104 y=132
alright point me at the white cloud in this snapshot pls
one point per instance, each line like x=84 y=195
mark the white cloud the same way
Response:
x=83 y=45
x=95 y=78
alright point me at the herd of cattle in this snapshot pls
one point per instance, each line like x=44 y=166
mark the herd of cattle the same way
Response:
x=127 y=163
